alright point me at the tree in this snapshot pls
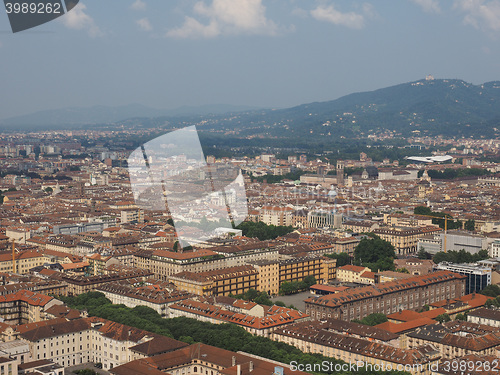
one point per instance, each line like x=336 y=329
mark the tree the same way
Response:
x=375 y=253
x=443 y=318
x=343 y=259
x=85 y=371
x=309 y=281
x=49 y=190
x=491 y=291
x=402 y=270
x=372 y=319
x=422 y=210
x=470 y=225
x=263 y=231
x=461 y=317
x=422 y=254
x=461 y=256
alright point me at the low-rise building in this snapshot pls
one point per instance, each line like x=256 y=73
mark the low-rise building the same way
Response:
x=257 y=319
x=84 y=340
x=457 y=338
x=415 y=266
x=150 y=293
x=489 y=317
x=405 y=240
x=222 y=282
x=205 y=359
x=24 y=261
x=25 y=307
x=352 y=274
x=83 y=284
x=351 y=343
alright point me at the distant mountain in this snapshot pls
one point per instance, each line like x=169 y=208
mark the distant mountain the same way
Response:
x=106 y=114
x=449 y=107
x=425 y=107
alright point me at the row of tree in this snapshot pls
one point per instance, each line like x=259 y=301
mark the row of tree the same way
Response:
x=273 y=179
x=460 y=256
x=225 y=336
x=451 y=173
x=263 y=231
x=292 y=287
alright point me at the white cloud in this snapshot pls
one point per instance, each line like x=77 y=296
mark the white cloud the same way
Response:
x=77 y=19
x=138 y=5
x=484 y=15
x=144 y=24
x=429 y=6
x=226 y=17
x=352 y=20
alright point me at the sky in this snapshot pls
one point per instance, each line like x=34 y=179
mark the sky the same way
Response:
x=261 y=53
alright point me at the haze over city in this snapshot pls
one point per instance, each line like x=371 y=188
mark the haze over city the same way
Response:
x=255 y=53
x=250 y=187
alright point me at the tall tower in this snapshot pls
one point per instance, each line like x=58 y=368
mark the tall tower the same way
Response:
x=340 y=172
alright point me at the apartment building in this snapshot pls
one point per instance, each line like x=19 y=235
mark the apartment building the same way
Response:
x=53 y=256
x=257 y=319
x=489 y=317
x=272 y=215
x=155 y=295
x=346 y=245
x=164 y=263
x=405 y=240
x=324 y=219
x=387 y=298
x=24 y=261
x=406 y=220
x=205 y=359
x=457 y=338
x=494 y=249
x=269 y=279
x=240 y=254
x=353 y=274
x=96 y=340
x=351 y=343
x=35 y=284
x=360 y=226
x=63 y=243
x=477 y=276
x=8 y=366
x=25 y=307
x=131 y=215
x=83 y=284
x=415 y=266
x=222 y=282
x=98 y=264
x=298 y=268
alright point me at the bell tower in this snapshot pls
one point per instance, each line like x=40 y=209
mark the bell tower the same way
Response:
x=340 y=172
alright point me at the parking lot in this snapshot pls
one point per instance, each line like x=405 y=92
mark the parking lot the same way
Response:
x=294 y=299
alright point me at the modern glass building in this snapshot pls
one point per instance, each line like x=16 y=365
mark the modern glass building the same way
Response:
x=478 y=276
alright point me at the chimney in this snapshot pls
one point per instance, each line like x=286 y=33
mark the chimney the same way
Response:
x=238 y=370
x=250 y=367
x=233 y=361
